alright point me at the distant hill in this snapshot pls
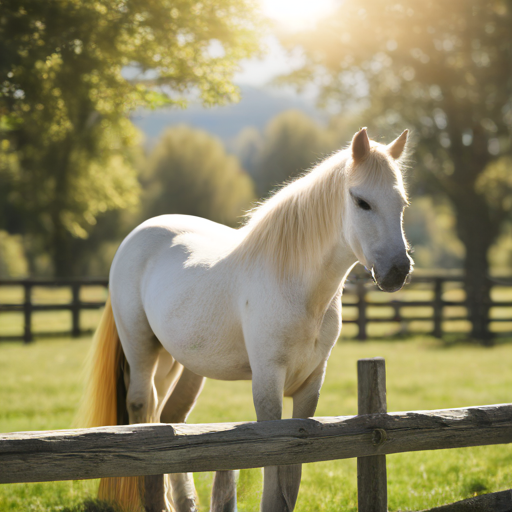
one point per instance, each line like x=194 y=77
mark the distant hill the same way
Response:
x=256 y=108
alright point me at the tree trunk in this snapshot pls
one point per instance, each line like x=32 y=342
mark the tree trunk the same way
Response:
x=61 y=250
x=60 y=239
x=478 y=287
x=477 y=232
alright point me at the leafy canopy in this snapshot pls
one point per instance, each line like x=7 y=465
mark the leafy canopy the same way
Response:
x=67 y=147
x=190 y=173
x=292 y=143
x=441 y=67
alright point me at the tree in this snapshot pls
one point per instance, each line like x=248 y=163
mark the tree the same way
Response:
x=64 y=99
x=247 y=146
x=12 y=259
x=292 y=143
x=190 y=173
x=443 y=68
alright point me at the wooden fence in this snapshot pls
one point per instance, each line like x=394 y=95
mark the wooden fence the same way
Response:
x=441 y=309
x=28 y=306
x=138 y=450
x=433 y=300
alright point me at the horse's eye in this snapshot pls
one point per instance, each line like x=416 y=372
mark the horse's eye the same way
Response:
x=363 y=204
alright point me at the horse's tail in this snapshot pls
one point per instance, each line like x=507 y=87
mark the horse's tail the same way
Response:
x=104 y=403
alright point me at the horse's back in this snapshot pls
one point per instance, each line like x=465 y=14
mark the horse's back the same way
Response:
x=148 y=240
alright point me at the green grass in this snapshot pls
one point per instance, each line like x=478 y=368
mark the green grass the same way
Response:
x=40 y=386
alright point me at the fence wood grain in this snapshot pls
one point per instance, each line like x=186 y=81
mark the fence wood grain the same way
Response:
x=133 y=450
x=494 y=502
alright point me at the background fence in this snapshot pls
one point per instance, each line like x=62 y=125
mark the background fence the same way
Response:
x=138 y=450
x=430 y=303
x=70 y=297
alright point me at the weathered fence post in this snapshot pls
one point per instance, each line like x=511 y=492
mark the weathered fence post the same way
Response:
x=27 y=313
x=438 y=308
x=372 y=492
x=361 y=311
x=75 y=310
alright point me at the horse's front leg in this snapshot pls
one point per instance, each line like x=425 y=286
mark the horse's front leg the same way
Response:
x=281 y=483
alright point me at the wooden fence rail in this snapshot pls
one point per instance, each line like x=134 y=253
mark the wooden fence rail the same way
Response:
x=136 y=450
x=362 y=287
x=150 y=449
x=359 y=290
x=28 y=307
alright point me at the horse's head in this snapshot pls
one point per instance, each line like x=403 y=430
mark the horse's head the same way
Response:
x=375 y=199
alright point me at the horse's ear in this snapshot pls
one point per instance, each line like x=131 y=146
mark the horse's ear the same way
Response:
x=360 y=145
x=396 y=148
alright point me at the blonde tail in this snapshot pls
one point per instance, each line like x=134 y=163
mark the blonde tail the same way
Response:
x=99 y=406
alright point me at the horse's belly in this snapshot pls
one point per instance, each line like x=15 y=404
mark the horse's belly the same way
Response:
x=215 y=353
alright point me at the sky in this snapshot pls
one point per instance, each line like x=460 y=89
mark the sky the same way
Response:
x=290 y=15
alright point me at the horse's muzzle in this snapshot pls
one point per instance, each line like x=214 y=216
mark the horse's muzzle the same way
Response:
x=394 y=279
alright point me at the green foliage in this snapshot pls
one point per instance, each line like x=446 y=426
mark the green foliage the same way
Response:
x=67 y=151
x=441 y=68
x=190 y=173
x=56 y=50
x=12 y=256
x=495 y=184
x=292 y=143
x=430 y=229
x=247 y=146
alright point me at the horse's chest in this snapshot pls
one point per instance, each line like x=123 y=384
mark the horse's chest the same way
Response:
x=304 y=362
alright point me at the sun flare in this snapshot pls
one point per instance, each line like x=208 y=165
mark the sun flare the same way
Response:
x=296 y=14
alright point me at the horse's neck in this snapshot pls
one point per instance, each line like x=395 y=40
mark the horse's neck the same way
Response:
x=299 y=232
x=330 y=258
x=326 y=281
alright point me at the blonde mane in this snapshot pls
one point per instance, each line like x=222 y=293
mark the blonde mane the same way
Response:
x=294 y=227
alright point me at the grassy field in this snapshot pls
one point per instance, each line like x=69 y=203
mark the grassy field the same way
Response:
x=41 y=385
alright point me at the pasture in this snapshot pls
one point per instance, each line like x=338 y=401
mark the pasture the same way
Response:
x=41 y=385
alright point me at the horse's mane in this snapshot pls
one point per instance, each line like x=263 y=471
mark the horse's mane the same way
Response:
x=293 y=228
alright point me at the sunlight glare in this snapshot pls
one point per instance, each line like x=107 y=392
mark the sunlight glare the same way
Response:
x=297 y=14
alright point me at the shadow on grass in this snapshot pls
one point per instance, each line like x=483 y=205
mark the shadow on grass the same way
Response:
x=93 y=506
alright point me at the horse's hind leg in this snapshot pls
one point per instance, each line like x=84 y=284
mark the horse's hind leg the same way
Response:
x=142 y=351
x=176 y=410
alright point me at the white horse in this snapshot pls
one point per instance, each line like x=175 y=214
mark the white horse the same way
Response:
x=194 y=299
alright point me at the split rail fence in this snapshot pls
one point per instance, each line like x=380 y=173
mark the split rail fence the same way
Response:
x=152 y=449
x=434 y=302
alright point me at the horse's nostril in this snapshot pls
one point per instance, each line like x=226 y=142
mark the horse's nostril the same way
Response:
x=398 y=271
x=404 y=269
x=395 y=278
